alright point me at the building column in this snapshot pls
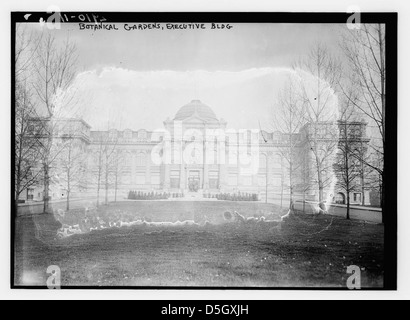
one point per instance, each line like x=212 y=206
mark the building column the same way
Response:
x=182 y=177
x=182 y=184
x=167 y=162
x=133 y=165
x=269 y=173
x=255 y=174
x=366 y=198
x=205 y=168
x=222 y=177
x=148 y=168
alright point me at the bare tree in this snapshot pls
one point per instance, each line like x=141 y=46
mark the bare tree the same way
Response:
x=53 y=71
x=320 y=74
x=347 y=165
x=117 y=171
x=365 y=52
x=26 y=146
x=106 y=162
x=288 y=119
x=25 y=49
x=70 y=169
x=100 y=167
x=110 y=162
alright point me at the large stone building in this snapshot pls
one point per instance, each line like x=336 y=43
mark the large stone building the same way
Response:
x=194 y=153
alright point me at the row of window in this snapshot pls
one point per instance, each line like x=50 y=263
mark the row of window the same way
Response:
x=142 y=134
x=213 y=179
x=276 y=181
x=142 y=158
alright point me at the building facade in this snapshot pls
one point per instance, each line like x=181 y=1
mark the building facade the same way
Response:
x=194 y=153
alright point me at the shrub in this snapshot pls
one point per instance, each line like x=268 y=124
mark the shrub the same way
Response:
x=139 y=195
x=227 y=215
x=236 y=197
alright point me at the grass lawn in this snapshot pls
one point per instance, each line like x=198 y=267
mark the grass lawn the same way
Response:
x=303 y=251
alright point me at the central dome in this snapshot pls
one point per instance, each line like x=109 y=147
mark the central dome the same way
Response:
x=195 y=107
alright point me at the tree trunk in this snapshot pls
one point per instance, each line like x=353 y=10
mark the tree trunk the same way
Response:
x=347 y=205
x=363 y=188
x=98 y=187
x=68 y=201
x=290 y=183
x=319 y=178
x=106 y=188
x=46 y=189
x=291 y=199
x=320 y=192
x=116 y=186
x=18 y=185
x=382 y=198
x=281 y=195
x=16 y=205
x=16 y=199
x=98 y=194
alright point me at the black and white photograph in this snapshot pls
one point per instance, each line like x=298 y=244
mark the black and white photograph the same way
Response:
x=203 y=150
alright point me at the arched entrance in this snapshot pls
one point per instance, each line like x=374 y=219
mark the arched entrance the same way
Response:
x=340 y=198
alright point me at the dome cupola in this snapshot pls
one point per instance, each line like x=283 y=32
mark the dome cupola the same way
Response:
x=196 y=107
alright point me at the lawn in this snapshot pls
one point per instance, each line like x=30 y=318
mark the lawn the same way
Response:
x=209 y=249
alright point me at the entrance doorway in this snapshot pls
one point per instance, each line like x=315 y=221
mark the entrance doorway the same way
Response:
x=194 y=180
x=340 y=198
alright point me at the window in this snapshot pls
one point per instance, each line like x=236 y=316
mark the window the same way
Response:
x=232 y=158
x=277 y=161
x=140 y=178
x=247 y=180
x=126 y=158
x=126 y=177
x=155 y=178
x=127 y=134
x=30 y=194
x=112 y=134
x=233 y=180
x=213 y=179
x=262 y=162
x=141 y=159
x=357 y=197
x=277 y=181
x=142 y=134
x=174 y=179
x=262 y=180
x=276 y=137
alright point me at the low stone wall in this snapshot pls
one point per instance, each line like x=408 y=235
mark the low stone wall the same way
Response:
x=35 y=208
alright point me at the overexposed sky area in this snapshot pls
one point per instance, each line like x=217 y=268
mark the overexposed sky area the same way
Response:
x=137 y=79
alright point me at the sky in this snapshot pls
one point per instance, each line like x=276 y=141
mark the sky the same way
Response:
x=137 y=79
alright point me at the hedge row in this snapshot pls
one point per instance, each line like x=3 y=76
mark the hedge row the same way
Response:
x=234 y=196
x=139 y=195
